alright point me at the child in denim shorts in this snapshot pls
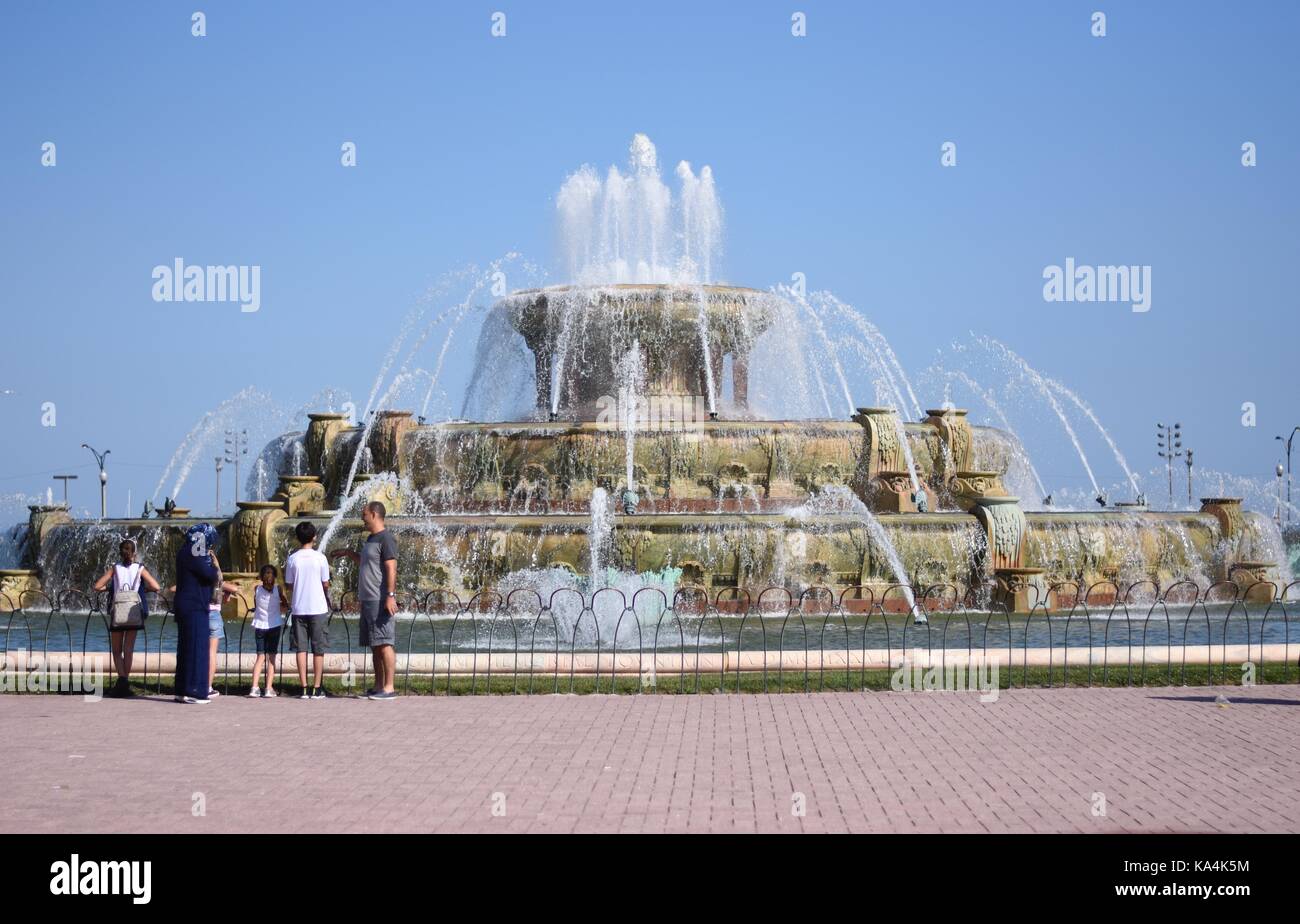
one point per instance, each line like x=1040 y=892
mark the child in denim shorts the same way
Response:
x=269 y=605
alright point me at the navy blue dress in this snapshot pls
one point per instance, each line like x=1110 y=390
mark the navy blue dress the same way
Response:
x=196 y=575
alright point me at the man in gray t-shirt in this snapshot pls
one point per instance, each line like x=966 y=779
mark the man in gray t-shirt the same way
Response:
x=376 y=594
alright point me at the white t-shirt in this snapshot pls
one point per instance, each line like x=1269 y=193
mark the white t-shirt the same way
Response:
x=266 y=608
x=306 y=570
x=127 y=577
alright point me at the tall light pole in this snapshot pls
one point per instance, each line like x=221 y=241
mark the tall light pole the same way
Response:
x=1288 y=471
x=236 y=446
x=1189 y=478
x=1169 y=446
x=1280 y=470
x=103 y=478
x=220 y=466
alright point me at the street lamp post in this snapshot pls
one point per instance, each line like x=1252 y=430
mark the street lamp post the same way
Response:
x=1169 y=446
x=220 y=466
x=103 y=478
x=1189 y=479
x=1288 y=471
x=236 y=446
x=1280 y=471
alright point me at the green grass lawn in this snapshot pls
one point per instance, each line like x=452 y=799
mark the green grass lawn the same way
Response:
x=792 y=681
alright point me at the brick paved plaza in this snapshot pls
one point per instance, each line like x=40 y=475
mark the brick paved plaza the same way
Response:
x=1166 y=760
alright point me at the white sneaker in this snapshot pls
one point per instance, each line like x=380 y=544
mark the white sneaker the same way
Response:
x=255 y=693
x=212 y=691
x=269 y=694
x=191 y=701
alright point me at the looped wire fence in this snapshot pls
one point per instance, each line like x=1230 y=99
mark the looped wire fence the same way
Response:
x=526 y=640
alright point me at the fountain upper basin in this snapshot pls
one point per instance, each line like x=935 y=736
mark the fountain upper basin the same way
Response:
x=579 y=335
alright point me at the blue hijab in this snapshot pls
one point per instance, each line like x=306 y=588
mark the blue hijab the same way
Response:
x=211 y=538
x=196 y=574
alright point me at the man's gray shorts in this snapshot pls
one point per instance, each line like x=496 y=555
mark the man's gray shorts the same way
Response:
x=377 y=626
x=313 y=630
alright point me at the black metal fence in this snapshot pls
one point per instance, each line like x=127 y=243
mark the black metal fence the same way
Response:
x=819 y=638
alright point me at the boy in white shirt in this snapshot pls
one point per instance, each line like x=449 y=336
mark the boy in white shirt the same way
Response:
x=307 y=575
x=269 y=605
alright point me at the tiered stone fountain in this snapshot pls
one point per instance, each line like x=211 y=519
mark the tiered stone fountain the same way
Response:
x=706 y=494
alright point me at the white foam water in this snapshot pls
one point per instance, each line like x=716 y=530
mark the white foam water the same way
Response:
x=600 y=533
x=626 y=227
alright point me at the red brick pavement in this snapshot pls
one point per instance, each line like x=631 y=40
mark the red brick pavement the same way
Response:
x=1164 y=760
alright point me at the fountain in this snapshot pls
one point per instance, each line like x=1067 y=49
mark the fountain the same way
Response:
x=646 y=452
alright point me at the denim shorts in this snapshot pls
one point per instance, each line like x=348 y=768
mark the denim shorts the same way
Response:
x=216 y=625
x=268 y=640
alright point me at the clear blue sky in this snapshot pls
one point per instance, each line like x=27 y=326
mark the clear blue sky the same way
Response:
x=225 y=149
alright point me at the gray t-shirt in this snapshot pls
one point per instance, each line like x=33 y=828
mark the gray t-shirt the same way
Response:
x=371 y=582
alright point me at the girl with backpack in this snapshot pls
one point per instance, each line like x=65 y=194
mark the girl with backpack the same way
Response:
x=127 y=610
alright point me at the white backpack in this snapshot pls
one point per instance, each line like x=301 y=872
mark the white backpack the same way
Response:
x=126 y=611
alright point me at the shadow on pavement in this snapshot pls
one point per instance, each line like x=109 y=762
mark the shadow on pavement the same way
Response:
x=1233 y=700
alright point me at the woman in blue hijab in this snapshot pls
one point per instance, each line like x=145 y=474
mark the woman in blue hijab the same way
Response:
x=196 y=576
